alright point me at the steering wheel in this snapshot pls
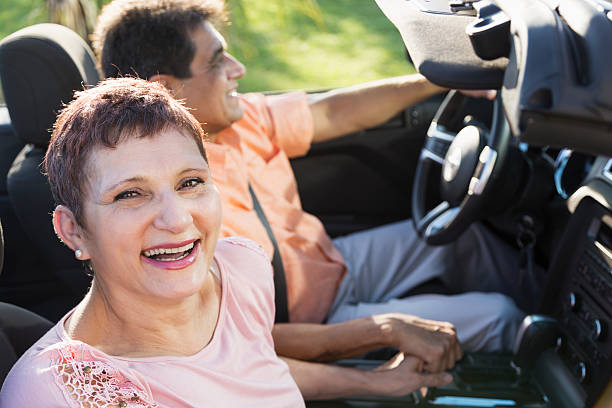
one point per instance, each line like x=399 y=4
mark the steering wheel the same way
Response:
x=471 y=162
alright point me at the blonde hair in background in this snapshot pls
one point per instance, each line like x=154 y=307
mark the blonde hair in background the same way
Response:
x=78 y=15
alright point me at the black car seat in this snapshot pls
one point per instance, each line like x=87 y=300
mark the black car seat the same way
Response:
x=40 y=68
x=10 y=146
x=19 y=329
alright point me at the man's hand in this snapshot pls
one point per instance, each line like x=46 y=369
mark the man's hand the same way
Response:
x=431 y=341
x=489 y=94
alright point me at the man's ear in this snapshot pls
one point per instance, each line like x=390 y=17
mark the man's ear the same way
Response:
x=171 y=82
x=69 y=231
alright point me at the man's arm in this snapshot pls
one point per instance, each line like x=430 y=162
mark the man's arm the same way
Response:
x=347 y=110
x=433 y=342
x=399 y=376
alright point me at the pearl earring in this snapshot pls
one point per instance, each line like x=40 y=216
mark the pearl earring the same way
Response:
x=78 y=253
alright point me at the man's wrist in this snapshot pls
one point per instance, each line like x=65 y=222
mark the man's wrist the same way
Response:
x=431 y=88
x=387 y=330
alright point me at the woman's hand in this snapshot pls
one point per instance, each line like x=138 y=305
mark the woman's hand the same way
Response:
x=403 y=374
x=399 y=376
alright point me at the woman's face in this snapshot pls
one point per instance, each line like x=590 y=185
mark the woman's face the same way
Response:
x=152 y=216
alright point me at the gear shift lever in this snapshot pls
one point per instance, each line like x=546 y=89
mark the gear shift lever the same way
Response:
x=536 y=334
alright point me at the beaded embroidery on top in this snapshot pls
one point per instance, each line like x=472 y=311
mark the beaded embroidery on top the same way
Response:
x=87 y=382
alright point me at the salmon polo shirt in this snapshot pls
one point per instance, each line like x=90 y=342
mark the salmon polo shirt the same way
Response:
x=256 y=149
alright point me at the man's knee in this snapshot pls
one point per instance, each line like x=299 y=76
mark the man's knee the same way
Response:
x=501 y=319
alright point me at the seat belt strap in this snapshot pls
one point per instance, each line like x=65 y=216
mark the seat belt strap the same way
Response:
x=280 y=286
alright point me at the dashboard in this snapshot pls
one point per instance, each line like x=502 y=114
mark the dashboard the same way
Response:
x=549 y=58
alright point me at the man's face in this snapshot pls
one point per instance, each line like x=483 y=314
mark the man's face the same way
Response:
x=211 y=91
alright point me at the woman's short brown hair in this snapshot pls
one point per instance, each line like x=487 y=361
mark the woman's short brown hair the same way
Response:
x=104 y=116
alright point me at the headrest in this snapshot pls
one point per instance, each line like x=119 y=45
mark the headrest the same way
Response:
x=40 y=68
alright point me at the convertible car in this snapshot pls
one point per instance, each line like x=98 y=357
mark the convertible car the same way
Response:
x=534 y=166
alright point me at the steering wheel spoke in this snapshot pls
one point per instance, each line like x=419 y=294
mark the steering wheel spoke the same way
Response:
x=486 y=162
x=434 y=213
x=437 y=143
x=442 y=221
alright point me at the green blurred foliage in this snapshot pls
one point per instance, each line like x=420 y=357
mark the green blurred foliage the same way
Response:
x=16 y=14
x=291 y=44
x=287 y=44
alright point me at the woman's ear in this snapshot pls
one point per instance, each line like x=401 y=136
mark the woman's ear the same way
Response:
x=69 y=231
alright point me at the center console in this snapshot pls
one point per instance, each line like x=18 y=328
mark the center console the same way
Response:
x=562 y=356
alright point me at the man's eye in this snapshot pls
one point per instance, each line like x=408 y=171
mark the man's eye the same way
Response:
x=216 y=63
x=126 y=195
x=192 y=182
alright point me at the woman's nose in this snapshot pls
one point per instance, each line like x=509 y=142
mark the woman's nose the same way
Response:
x=173 y=214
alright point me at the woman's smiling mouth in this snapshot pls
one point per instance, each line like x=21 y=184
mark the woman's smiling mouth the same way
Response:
x=172 y=257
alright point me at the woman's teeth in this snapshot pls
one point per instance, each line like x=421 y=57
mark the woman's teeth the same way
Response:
x=171 y=258
x=171 y=254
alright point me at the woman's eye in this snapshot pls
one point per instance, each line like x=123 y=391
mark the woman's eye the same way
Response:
x=192 y=182
x=126 y=195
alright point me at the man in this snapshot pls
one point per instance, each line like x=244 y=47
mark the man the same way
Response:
x=176 y=43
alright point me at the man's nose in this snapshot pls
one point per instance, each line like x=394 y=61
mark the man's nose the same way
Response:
x=236 y=70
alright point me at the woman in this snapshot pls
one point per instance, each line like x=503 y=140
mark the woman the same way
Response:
x=173 y=317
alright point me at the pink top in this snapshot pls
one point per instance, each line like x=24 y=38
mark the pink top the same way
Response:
x=238 y=368
x=256 y=149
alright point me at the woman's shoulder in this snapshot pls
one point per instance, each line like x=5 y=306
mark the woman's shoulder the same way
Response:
x=250 y=277
x=240 y=246
x=245 y=262
x=243 y=257
x=31 y=381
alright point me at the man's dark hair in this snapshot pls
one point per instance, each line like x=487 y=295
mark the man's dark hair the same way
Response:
x=147 y=37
